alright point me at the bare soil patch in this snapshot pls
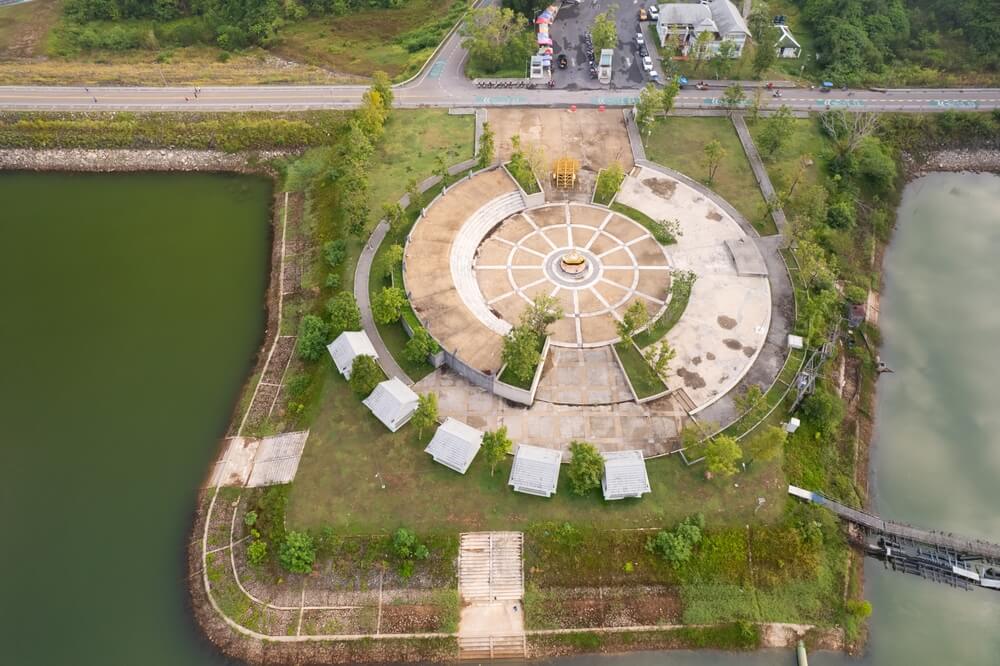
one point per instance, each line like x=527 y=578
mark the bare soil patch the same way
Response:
x=664 y=187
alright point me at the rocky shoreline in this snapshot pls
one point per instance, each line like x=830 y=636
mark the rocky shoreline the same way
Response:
x=958 y=159
x=163 y=159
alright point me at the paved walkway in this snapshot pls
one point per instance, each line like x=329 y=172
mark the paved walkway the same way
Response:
x=759 y=171
x=582 y=377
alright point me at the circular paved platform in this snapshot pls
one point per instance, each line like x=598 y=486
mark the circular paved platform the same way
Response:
x=623 y=263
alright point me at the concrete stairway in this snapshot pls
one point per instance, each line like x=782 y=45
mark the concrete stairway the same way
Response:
x=486 y=648
x=490 y=566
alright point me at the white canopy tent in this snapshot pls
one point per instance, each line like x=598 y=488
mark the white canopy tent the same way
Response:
x=347 y=347
x=455 y=445
x=393 y=403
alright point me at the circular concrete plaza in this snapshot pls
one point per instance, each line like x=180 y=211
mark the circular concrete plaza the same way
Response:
x=615 y=261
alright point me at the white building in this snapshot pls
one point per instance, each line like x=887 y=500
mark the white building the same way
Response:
x=680 y=24
x=393 y=403
x=455 y=445
x=535 y=470
x=624 y=475
x=786 y=45
x=347 y=347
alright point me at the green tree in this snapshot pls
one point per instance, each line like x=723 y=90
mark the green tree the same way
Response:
x=876 y=166
x=765 y=52
x=383 y=86
x=392 y=213
x=815 y=265
x=676 y=546
x=335 y=252
x=608 y=182
x=408 y=550
x=388 y=304
x=733 y=97
x=488 y=33
x=521 y=352
x=371 y=115
x=586 y=467
x=659 y=356
x=543 y=311
x=700 y=50
x=636 y=317
x=297 y=552
x=722 y=61
x=257 y=552
x=487 y=146
x=604 y=31
x=751 y=404
x=776 y=131
x=650 y=103
x=314 y=335
x=344 y=313
x=767 y=443
x=495 y=446
x=365 y=375
x=670 y=95
x=392 y=258
x=440 y=168
x=824 y=410
x=721 y=455
x=759 y=19
x=426 y=415
x=416 y=198
x=420 y=346
x=712 y=157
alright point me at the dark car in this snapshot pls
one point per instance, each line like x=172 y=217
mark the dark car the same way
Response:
x=642 y=51
x=562 y=61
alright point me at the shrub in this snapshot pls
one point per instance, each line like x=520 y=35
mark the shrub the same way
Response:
x=365 y=375
x=314 y=334
x=257 y=552
x=608 y=182
x=297 y=552
x=824 y=410
x=334 y=252
x=250 y=518
x=388 y=304
x=407 y=550
x=344 y=313
x=420 y=346
x=721 y=455
x=586 y=467
x=676 y=546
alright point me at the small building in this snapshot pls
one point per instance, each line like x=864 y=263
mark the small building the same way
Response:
x=604 y=69
x=624 y=475
x=796 y=342
x=682 y=23
x=347 y=347
x=787 y=46
x=393 y=403
x=857 y=313
x=455 y=444
x=535 y=470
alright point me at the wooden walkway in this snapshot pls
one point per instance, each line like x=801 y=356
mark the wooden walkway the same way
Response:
x=945 y=541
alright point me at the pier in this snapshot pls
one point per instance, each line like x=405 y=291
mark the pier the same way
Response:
x=944 y=557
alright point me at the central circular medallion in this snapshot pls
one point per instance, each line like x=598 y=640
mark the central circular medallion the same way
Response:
x=572 y=268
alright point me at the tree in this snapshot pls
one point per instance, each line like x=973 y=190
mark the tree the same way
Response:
x=751 y=405
x=765 y=50
x=371 y=115
x=759 y=19
x=635 y=318
x=847 y=131
x=335 y=252
x=753 y=109
x=416 y=198
x=723 y=58
x=676 y=546
x=814 y=265
x=365 y=375
x=670 y=95
x=543 y=311
x=722 y=454
x=495 y=446
x=608 y=181
x=650 y=103
x=700 y=49
x=586 y=467
x=344 y=313
x=659 y=356
x=440 y=167
x=876 y=166
x=528 y=9
x=823 y=410
x=487 y=146
x=604 y=31
x=297 y=552
x=733 y=97
x=776 y=131
x=314 y=334
x=388 y=304
x=521 y=352
x=383 y=86
x=393 y=257
x=407 y=550
x=420 y=346
x=427 y=413
x=392 y=213
x=487 y=34
x=713 y=155
x=767 y=443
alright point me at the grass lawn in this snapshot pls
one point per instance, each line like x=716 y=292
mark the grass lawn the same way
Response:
x=25 y=27
x=365 y=40
x=662 y=236
x=783 y=166
x=640 y=374
x=679 y=144
x=671 y=315
x=350 y=454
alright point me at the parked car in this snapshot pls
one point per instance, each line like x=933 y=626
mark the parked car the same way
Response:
x=642 y=14
x=639 y=39
x=642 y=51
x=654 y=12
x=647 y=64
x=562 y=61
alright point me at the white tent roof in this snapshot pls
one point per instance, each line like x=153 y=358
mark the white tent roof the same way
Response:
x=624 y=475
x=535 y=470
x=684 y=13
x=348 y=346
x=393 y=403
x=455 y=444
x=786 y=37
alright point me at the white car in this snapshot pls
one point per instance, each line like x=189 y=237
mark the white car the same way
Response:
x=654 y=12
x=647 y=64
x=638 y=39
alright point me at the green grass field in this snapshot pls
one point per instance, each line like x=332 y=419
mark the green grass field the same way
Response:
x=640 y=374
x=350 y=455
x=679 y=144
x=784 y=165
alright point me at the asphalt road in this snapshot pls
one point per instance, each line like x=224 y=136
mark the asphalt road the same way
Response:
x=442 y=84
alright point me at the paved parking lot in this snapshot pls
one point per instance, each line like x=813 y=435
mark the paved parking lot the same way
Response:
x=568 y=31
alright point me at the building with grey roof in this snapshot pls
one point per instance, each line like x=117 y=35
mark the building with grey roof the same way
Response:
x=347 y=347
x=455 y=444
x=624 y=475
x=535 y=470
x=680 y=24
x=393 y=403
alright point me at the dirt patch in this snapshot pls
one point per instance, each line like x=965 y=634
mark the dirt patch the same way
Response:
x=691 y=379
x=748 y=351
x=710 y=356
x=609 y=607
x=732 y=343
x=408 y=618
x=714 y=215
x=663 y=187
x=727 y=323
x=696 y=360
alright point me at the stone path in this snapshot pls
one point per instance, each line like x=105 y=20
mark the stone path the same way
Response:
x=759 y=171
x=582 y=377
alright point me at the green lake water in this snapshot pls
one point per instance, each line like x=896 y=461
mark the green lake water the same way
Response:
x=137 y=309
x=133 y=309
